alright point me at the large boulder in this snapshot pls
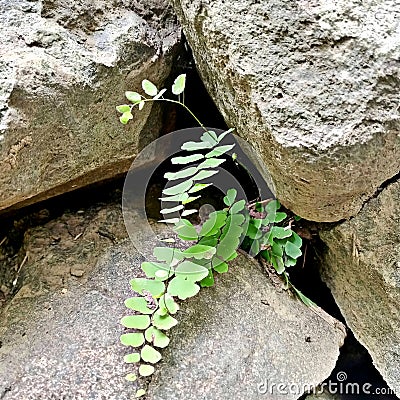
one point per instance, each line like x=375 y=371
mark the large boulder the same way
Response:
x=312 y=85
x=361 y=265
x=240 y=339
x=64 y=67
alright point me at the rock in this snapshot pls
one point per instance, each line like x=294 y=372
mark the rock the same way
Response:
x=313 y=86
x=361 y=266
x=64 y=67
x=322 y=396
x=243 y=338
x=245 y=332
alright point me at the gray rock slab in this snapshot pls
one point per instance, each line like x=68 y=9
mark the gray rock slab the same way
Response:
x=313 y=86
x=239 y=339
x=361 y=266
x=64 y=66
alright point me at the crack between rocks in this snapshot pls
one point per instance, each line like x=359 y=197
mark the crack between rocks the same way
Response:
x=378 y=191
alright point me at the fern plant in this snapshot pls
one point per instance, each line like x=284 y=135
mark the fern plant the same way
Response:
x=178 y=273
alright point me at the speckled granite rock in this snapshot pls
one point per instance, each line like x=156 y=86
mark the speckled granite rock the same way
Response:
x=312 y=85
x=64 y=67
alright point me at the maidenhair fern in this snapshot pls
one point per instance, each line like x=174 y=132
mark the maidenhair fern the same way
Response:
x=179 y=273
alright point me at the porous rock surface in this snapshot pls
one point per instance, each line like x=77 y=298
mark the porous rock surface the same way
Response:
x=64 y=67
x=312 y=85
x=361 y=266
x=239 y=339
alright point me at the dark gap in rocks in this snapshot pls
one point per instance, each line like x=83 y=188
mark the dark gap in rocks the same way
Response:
x=383 y=186
x=354 y=360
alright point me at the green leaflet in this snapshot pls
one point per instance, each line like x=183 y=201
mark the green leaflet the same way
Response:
x=211 y=163
x=186 y=230
x=183 y=287
x=184 y=173
x=219 y=151
x=156 y=288
x=179 y=84
x=139 y=304
x=204 y=175
x=200 y=251
x=146 y=370
x=150 y=354
x=179 y=188
x=164 y=322
x=191 y=271
x=136 y=321
x=149 y=87
x=186 y=159
x=156 y=337
x=132 y=339
x=216 y=220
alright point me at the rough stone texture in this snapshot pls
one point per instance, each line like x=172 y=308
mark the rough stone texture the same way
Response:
x=322 y=396
x=61 y=340
x=312 y=85
x=241 y=334
x=64 y=67
x=361 y=265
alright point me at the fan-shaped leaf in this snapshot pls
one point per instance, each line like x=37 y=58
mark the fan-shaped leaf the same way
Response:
x=177 y=197
x=167 y=254
x=164 y=322
x=150 y=354
x=179 y=188
x=200 y=251
x=131 y=377
x=204 y=175
x=292 y=250
x=199 y=186
x=188 y=212
x=183 y=288
x=209 y=137
x=211 y=163
x=230 y=197
x=149 y=87
x=219 y=150
x=213 y=224
x=208 y=281
x=237 y=207
x=125 y=117
x=123 y=108
x=139 y=304
x=280 y=233
x=185 y=173
x=146 y=370
x=192 y=146
x=140 y=393
x=156 y=337
x=186 y=230
x=186 y=159
x=136 y=321
x=169 y=303
x=179 y=84
x=132 y=339
x=156 y=288
x=191 y=271
x=132 y=358
x=172 y=209
x=134 y=97
x=150 y=268
x=221 y=268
